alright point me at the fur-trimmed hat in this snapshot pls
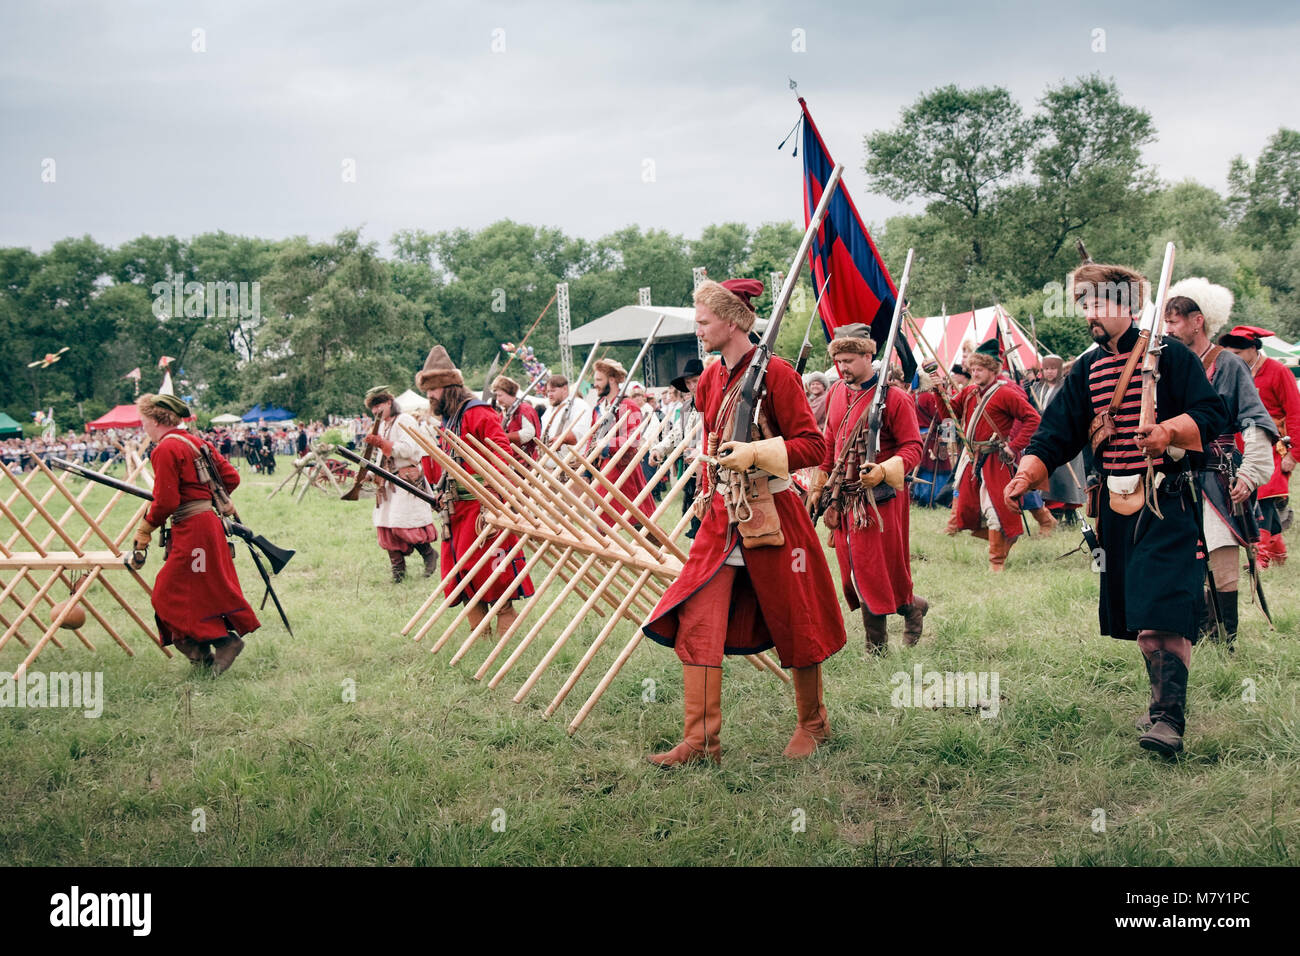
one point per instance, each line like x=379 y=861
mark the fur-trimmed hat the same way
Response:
x=854 y=339
x=377 y=394
x=730 y=300
x=439 y=371
x=1118 y=284
x=505 y=383
x=611 y=369
x=1212 y=301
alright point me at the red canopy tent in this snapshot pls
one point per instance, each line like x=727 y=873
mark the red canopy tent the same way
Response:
x=124 y=416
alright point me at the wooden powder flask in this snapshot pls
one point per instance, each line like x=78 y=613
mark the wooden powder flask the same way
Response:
x=76 y=615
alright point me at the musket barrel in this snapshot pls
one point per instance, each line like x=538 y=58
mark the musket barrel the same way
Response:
x=389 y=476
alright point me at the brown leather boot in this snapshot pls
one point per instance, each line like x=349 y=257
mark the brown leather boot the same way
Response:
x=430 y=559
x=813 y=727
x=506 y=617
x=998 y=549
x=199 y=652
x=224 y=652
x=913 y=616
x=877 y=635
x=398 y=561
x=1046 y=520
x=703 y=706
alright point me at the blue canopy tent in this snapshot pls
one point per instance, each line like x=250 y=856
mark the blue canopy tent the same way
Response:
x=272 y=414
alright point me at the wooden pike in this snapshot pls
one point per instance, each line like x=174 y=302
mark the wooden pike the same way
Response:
x=500 y=563
x=455 y=569
x=532 y=603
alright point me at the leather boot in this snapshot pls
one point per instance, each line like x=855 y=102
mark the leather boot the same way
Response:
x=1168 y=704
x=398 y=561
x=506 y=617
x=430 y=559
x=813 y=727
x=224 y=651
x=877 y=635
x=199 y=652
x=998 y=549
x=1262 y=551
x=1145 y=722
x=913 y=615
x=1228 y=607
x=1046 y=520
x=702 y=687
x=953 y=526
x=1276 y=550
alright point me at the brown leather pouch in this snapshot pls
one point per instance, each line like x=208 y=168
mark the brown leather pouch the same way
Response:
x=763 y=529
x=1122 y=500
x=1101 y=431
x=832 y=518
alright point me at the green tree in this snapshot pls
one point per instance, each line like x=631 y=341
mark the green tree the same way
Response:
x=1265 y=199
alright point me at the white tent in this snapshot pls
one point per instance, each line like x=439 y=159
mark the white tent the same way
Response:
x=412 y=401
x=226 y=420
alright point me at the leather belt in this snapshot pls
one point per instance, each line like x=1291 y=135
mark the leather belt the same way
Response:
x=188 y=509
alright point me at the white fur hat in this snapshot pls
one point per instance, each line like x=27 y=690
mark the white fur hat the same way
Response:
x=1214 y=301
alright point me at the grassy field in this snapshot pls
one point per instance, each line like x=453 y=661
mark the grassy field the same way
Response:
x=428 y=766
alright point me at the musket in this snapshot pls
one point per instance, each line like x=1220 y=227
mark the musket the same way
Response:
x=492 y=373
x=806 y=349
x=387 y=475
x=574 y=388
x=1247 y=516
x=353 y=493
x=278 y=557
x=753 y=387
x=1151 y=364
x=607 y=418
x=1084 y=258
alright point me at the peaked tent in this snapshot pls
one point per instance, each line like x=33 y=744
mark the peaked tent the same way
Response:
x=226 y=419
x=9 y=428
x=945 y=334
x=124 y=416
x=270 y=414
x=412 y=401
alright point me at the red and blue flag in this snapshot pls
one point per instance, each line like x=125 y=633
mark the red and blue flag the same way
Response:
x=860 y=289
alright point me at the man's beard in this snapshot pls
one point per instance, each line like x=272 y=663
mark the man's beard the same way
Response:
x=438 y=406
x=1099 y=334
x=607 y=390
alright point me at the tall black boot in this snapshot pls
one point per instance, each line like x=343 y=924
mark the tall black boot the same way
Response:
x=398 y=561
x=430 y=559
x=1228 y=607
x=1168 y=704
x=1145 y=722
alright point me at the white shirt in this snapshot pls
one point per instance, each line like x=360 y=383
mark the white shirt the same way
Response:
x=579 y=421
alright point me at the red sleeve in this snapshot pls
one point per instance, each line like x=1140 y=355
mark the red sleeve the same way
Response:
x=835 y=409
x=1290 y=401
x=1026 y=417
x=630 y=414
x=166 y=460
x=791 y=415
x=485 y=425
x=903 y=428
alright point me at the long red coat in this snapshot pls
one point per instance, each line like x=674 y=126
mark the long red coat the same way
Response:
x=1015 y=420
x=484 y=423
x=196 y=593
x=792 y=603
x=630 y=481
x=875 y=562
x=1277 y=389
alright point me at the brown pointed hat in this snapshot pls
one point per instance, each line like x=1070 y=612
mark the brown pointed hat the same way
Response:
x=438 y=371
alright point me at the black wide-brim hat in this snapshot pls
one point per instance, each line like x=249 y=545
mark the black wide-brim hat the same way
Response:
x=693 y=368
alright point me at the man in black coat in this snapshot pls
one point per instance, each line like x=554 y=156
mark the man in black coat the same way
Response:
x=1148 y=518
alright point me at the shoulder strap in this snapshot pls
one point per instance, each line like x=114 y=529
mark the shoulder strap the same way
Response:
x=982 y=409
x=1121 y=386
x=1210 y=357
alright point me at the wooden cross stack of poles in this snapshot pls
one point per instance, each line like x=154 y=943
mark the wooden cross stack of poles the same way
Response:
x=31 y=573
x=570 y=517
x=311 y=469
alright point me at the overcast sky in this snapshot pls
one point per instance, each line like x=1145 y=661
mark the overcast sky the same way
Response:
x=555 y=126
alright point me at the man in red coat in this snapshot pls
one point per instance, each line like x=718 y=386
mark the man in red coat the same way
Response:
x=732 y=599
x=607 y=379
x=523 y=426
x=999 y=421
x=871 y=542
x=1278 y=391
x=464 y=415
x=197 y=601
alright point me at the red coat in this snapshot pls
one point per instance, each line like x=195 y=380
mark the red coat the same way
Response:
x=1015 y=420
x=196 y=593
x=629 y=481
x=875 y=562
x=792 y=603
x=484 y=423
x=525 y=412
x=1277 y=389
